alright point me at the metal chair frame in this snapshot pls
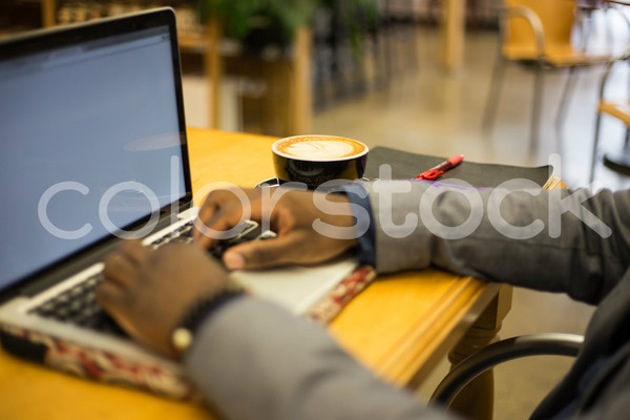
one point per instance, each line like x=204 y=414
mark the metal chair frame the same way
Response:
x=554 y=344
x=598 y=119
x=541 y=63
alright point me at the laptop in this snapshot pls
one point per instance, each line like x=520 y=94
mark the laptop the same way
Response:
x=93 y=151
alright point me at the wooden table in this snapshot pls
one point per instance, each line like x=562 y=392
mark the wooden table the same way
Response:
x=400 y=326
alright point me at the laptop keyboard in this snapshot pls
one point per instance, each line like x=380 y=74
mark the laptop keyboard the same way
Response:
x=183 y=234
x=78 y=306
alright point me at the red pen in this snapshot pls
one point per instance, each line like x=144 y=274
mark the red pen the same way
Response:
x=437 y=171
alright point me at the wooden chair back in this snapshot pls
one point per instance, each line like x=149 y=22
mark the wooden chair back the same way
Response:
x=556 y=16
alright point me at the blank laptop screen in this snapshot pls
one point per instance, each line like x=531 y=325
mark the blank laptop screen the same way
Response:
x=89 y=143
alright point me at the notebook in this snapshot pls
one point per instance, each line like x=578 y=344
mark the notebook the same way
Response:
x=93 y=151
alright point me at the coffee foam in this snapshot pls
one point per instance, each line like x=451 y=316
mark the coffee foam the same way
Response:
x=319 y=148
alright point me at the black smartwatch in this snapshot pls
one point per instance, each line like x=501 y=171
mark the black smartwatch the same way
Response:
x=183 y=334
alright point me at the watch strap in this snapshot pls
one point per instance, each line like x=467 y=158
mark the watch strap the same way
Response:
x=182 y=336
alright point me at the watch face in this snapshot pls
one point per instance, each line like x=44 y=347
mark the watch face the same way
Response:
x=181 y=339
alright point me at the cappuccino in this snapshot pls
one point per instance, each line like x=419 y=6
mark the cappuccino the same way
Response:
x=319 y=148
x=316 y=159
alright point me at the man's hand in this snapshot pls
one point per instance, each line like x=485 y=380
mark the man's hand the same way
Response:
x=148 y=292
x=310 y=227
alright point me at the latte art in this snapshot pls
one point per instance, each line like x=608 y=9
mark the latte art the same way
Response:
x=319 y=148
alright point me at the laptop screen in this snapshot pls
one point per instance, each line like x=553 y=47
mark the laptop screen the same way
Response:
x=91 y=139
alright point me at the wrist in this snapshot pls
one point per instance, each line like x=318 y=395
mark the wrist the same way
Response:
x=183 y=335
x=359 y=199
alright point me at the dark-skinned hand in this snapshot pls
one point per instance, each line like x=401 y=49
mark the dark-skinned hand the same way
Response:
x=148 y=292
x=310 y=227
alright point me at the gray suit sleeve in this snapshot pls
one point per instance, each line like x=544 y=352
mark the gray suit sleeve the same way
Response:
x=253 y=360
x=561 y=241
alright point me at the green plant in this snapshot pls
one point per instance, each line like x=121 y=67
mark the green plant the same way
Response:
x=358 y=17
x=240 y=17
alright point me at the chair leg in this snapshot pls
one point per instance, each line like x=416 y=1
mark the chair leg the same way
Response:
x=493 y=95
x=567 y=92
x=598 y=124
x=536 y=110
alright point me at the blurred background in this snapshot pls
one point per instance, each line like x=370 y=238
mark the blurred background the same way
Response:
x=416 y=75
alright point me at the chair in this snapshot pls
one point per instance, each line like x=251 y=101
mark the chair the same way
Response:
x=538 y=32
x=552 y=344
x=618 y=108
